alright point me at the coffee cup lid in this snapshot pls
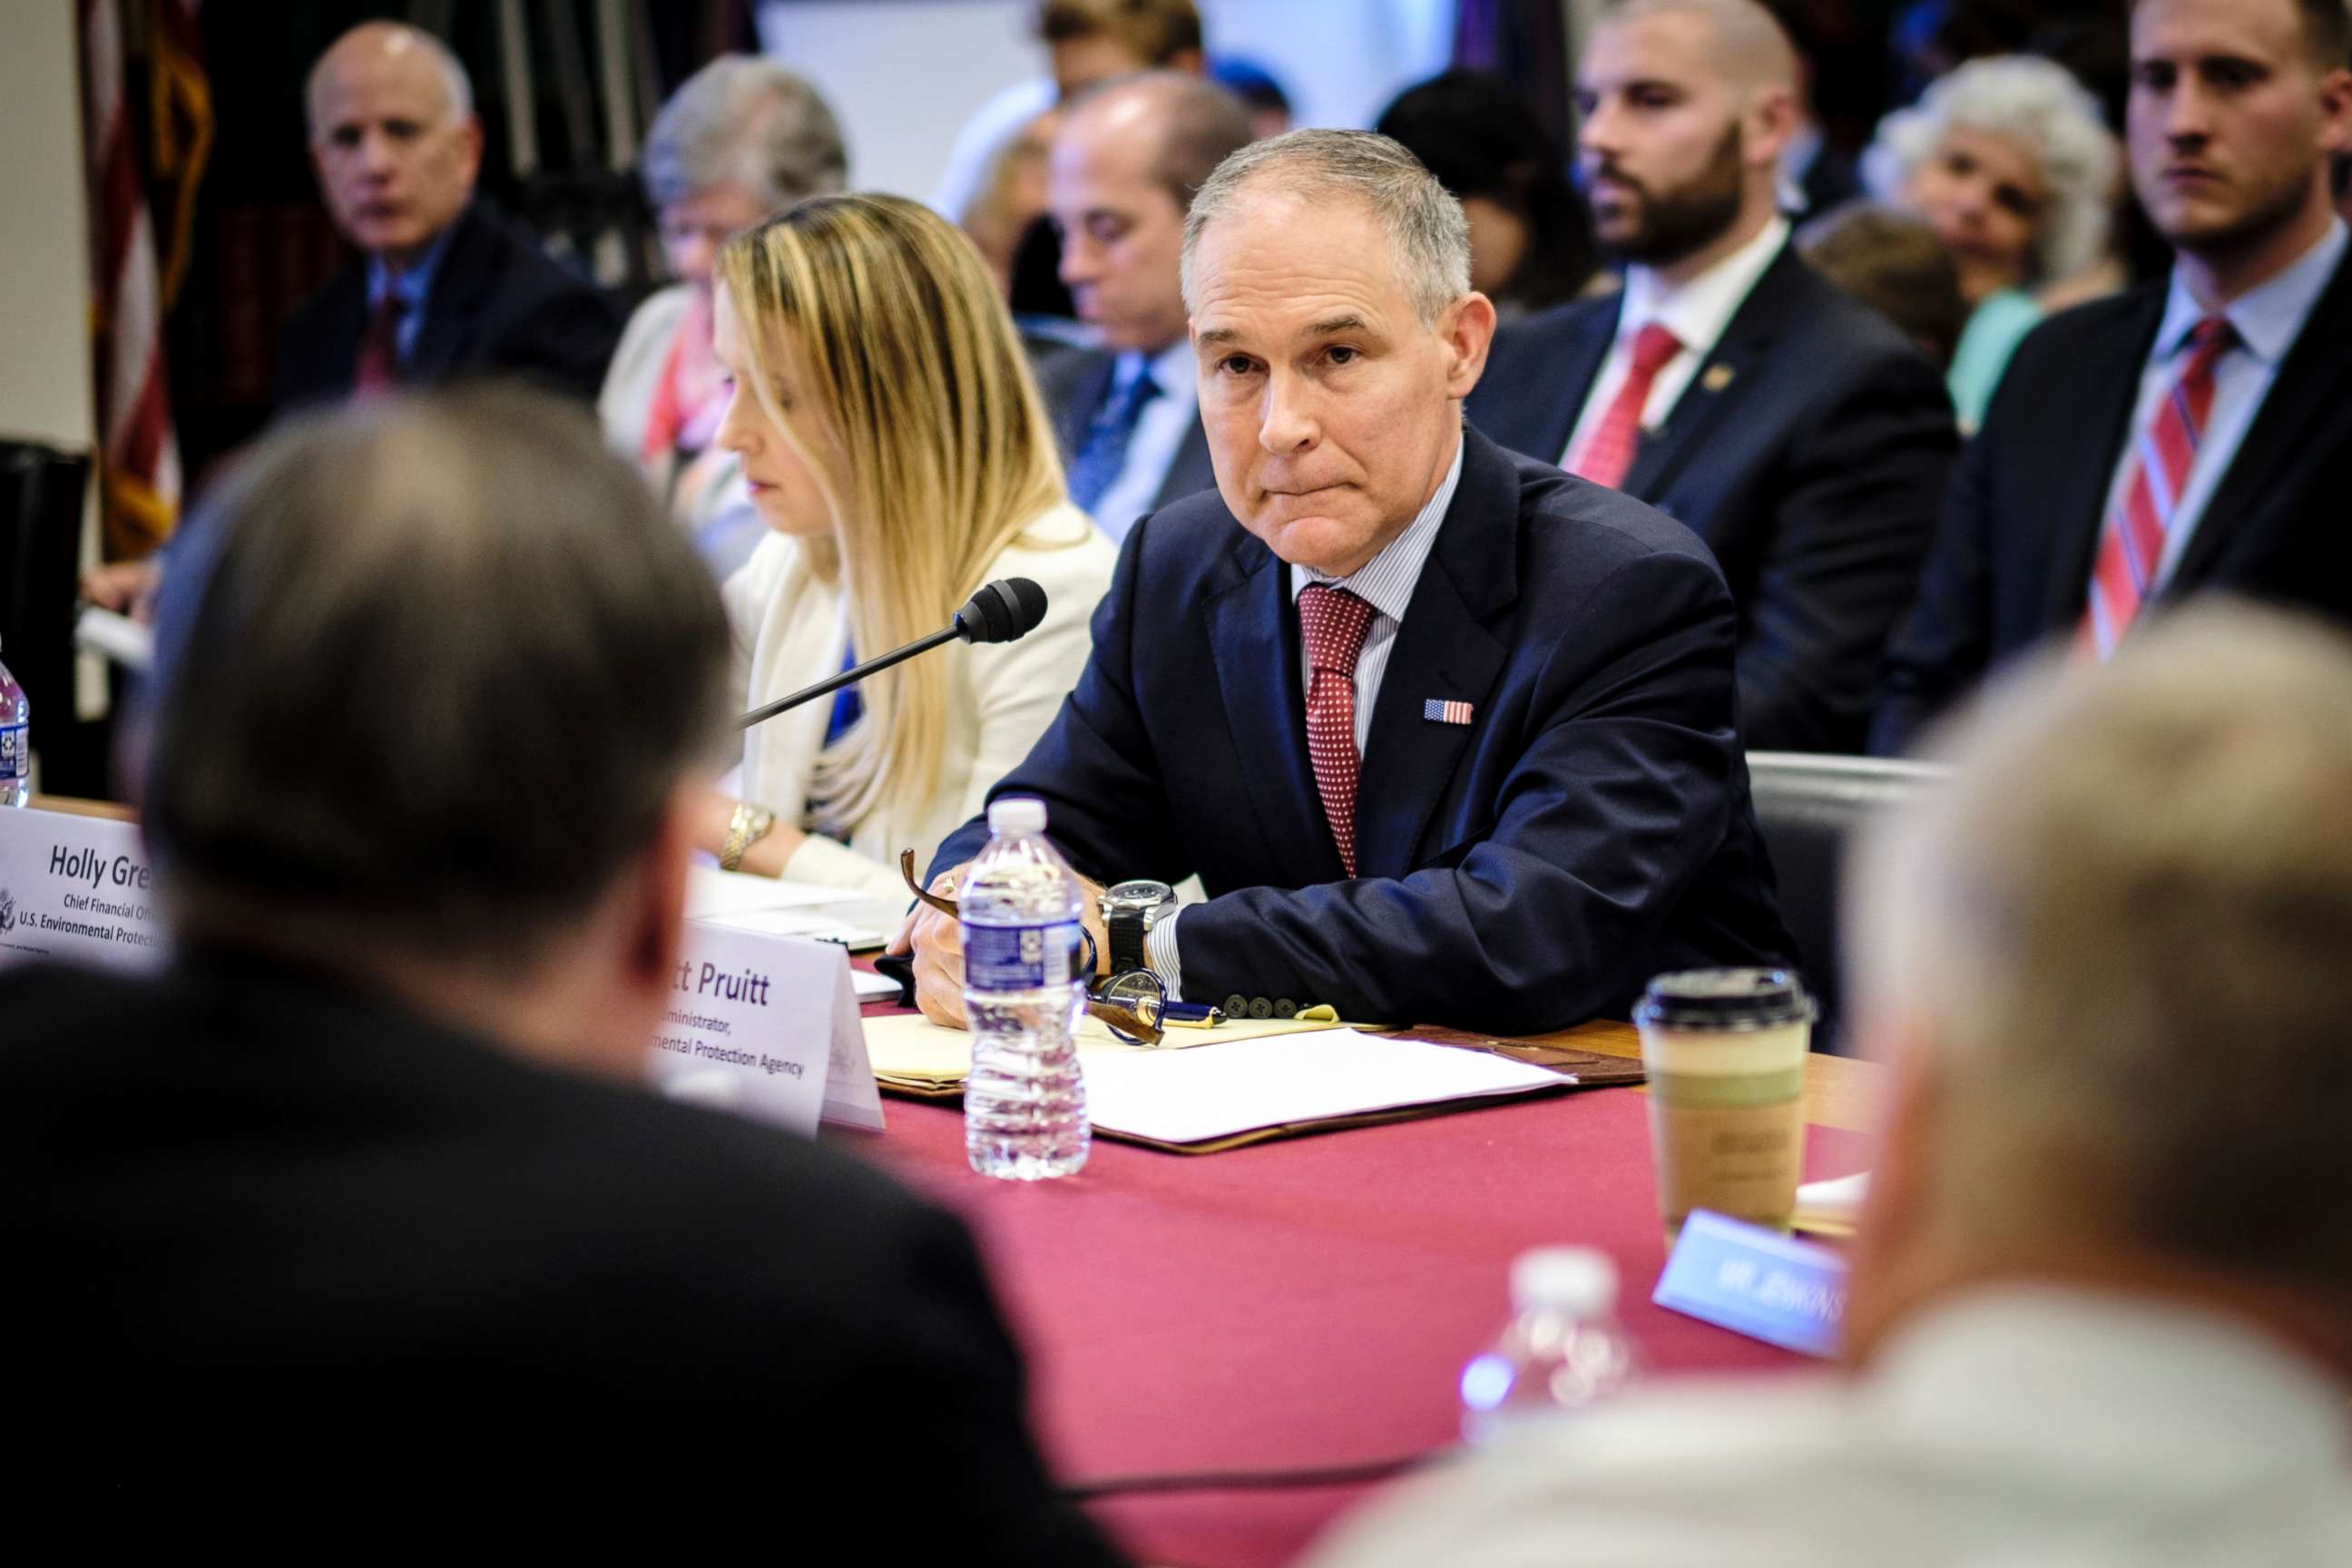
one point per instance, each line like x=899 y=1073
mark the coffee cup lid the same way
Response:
x=1726 y=999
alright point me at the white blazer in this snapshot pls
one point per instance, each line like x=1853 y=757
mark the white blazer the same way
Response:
x=789 y=629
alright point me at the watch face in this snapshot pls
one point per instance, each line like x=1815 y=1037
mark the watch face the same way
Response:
x=1139 y=894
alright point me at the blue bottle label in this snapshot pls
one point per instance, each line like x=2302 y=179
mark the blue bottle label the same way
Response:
x=16 y=754
x=1020 y=958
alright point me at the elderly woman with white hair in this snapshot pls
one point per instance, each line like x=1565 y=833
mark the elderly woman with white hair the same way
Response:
x=740 y=140
x=2008 y=159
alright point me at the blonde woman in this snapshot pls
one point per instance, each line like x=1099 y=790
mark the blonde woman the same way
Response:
x=894 y=444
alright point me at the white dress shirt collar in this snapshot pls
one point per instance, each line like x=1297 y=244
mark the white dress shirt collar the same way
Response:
x=1698 y=310
x=2268 y=317
x=1386 y=581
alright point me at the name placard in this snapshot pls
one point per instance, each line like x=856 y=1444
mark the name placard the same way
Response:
x=76 y=888
x=1756 y=1282
x=766 y=1026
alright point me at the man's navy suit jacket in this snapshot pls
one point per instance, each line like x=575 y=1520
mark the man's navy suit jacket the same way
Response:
x=2012 y=564
x=1587 y=829
x=498 y=306
x=1076 y=382
x=1811 y=453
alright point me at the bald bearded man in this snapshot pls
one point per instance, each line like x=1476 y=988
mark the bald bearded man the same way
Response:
x=445 y=286
x=1796 y=431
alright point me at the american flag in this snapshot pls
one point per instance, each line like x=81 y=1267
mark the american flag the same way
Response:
x=1438 y=710
x=130 y=286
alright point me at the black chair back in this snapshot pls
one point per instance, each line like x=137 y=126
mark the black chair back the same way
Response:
x=40 y=539
x=1807 y=808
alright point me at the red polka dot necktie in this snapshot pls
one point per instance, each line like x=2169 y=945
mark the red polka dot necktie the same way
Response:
x=1332 y=623
x=2123 y=575
x=1608 y=451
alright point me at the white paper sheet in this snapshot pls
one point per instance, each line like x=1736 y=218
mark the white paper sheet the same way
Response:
x=711 y=892
x=1217 y=1090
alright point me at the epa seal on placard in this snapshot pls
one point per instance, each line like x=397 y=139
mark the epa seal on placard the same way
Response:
x=7 y=909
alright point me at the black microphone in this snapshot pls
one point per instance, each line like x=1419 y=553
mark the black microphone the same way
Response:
x=1002 y=611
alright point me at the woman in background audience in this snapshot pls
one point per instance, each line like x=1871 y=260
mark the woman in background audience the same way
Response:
x=2008 y=159
x=740 y=138
x=895 y=448
x=1530 y=237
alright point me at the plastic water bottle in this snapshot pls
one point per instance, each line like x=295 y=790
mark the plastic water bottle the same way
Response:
x=1563 y=1349
x=1024 y=1104
x=16 y=743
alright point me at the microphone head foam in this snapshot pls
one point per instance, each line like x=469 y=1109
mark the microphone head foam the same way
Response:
x=1007 y=608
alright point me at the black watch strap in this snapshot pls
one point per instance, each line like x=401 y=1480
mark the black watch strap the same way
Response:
x=1126 y=933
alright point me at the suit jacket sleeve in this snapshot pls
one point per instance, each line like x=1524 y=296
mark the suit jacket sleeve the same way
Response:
x=944 y=1382
x=1941 y=648
x=1093 y=768
x=1849 y=534
x=1622 y=794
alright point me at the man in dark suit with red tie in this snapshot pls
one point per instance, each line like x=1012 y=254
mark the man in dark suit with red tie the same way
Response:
x=1448 y=736
x=1800 y=433
x=445 y=287
x=2193 y=436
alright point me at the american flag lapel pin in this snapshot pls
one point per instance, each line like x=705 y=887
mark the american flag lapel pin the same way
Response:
x=1442 y=711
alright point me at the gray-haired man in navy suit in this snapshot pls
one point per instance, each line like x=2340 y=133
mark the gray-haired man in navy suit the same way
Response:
x=1447 y=736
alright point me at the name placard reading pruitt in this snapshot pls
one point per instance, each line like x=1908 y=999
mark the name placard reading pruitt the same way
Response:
x=766 y=1026
x=76 y=888
x=1756 y=1282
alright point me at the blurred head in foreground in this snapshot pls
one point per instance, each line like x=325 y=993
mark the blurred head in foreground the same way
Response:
x=436 y=691
x=2109 y=963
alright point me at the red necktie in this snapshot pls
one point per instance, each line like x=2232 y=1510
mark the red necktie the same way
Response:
x=1608 y=451
x=378 y=366
x=1332 y=623
x=2132 y=548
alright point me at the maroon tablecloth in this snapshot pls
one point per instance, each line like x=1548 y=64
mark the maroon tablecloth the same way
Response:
x=1302 y=1303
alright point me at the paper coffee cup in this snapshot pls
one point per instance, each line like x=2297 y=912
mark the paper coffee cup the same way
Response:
x=1724 y=1051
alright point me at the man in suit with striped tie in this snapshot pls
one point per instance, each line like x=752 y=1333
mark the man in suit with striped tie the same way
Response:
x=1447 y=735
x=2195 y=435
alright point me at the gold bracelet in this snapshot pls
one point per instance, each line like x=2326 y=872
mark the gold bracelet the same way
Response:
x=746 y=826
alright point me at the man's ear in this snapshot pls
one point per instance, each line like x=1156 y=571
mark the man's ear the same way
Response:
x=2335 y=111
x=1468 y=332
x=1770 y=125
x=1891 y=1246
x=473 y=134
x=654 y=929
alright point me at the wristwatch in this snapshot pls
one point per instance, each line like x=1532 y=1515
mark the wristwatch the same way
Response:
x=1130 y=911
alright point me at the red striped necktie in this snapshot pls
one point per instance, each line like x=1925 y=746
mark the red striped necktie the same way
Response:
x=1608 y=451
x=1332 y=623
x=2131 y=549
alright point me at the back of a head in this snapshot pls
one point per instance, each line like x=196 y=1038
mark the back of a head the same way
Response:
x=2122 y=933
x=1896 y=264
x=429 y=672
x=744 y=121
x=1481 y=141
x=1157 y=32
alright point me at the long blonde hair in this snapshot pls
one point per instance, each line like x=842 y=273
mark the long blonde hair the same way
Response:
x=881 y=316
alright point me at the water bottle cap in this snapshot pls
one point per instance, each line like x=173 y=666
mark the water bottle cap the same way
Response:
x=1581 y=1280
x=1016 y=817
